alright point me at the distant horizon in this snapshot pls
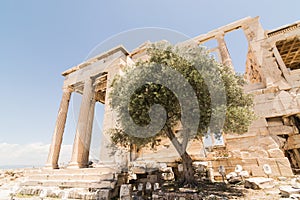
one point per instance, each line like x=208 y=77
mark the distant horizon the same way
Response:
x=7 y=167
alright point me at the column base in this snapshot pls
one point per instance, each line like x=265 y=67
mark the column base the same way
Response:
x=51 y=166
x=76 y=165
x=106 y=163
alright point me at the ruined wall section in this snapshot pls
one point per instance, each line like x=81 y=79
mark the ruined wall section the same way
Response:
x=276 y=98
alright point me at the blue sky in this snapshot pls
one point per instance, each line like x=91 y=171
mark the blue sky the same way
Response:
x=40 y=39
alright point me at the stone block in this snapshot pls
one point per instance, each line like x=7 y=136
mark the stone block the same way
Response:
x=245 y=155
x=104 y=195
x=234 y=161
x=257 y=171
x=266 y=142
x=266 y=108
x=259 y=183
x=188 y=190
x=281 y=130
x=259 y=153
x=166 y=169
x=264 y=131
x=287 y=121
x=235 y=180
x=287 y=190
x=156 y=186
x=283 y=85
x=250 y=168
x=251 y=161
x=162 y=166
x=198 y=163
x=126 y=192
x=180 y=167
x=168 y=176
x=148 y=186
x=273 y=165
x=236 y=154
x=284 y=167
x=140 y=187
x=143 y=180
x=244 y=174
x=275 y=122
x=275 y=153
x=293 y=142
x=286 y=99
x=295 y=182
x=231 y=174
x=259 y=123
x=152 y=178
x=138 y=170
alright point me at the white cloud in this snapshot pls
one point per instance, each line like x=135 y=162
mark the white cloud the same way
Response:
x=34 y=154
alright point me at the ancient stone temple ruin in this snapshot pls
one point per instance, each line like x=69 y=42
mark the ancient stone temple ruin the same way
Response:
x=273 y=77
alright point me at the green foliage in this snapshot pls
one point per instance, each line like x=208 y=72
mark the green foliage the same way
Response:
x=201 y=73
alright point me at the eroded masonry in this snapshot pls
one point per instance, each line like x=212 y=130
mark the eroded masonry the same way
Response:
x=273 y=76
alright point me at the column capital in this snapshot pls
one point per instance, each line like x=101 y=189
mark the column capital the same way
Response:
x=67 y=88
x=224 y=53
x=220 y=35
x=94 y=77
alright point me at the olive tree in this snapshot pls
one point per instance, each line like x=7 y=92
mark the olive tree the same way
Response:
x=178 y=85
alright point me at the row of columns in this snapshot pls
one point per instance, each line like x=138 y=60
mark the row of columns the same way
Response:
x=82 y=141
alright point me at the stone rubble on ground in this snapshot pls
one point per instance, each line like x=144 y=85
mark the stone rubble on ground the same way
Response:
x=259 y=183
x=295 y=182
x=237 y=177
x=279 y=188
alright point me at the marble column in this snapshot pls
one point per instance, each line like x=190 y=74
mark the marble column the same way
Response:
x=83 y=131
x=86 y=153
x=224 y=53
x=52 y=161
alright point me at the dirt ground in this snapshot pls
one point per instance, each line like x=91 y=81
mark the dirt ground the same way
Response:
x=238 y=191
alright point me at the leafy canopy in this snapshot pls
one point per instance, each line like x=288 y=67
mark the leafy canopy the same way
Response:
x=218 y=91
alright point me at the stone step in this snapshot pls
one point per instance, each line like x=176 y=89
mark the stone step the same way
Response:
x=62 y=193
x=71 y=184
x=91 y=177
x=98 y=170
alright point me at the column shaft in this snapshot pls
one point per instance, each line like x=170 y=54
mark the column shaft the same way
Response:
x=82 y=137
x=224 y=53
x=52 y=161
x=86 y=152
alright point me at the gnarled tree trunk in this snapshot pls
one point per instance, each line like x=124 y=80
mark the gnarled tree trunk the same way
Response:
x=187 y=162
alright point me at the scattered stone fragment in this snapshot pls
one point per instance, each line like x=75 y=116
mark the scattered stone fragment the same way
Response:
x=138 y=170
x=295 y=182
x=235 y=180
x=126 y=192
x=259 y=183
x=156 y=186
x=295 y=196
x=244 y=174
x=282 y=178
x=180 y=167
x=188 y=190
x=286 y=191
